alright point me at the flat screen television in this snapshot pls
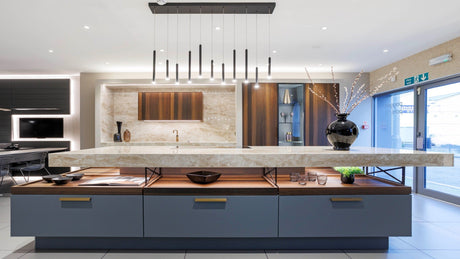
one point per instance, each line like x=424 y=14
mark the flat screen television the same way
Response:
x=41 y=127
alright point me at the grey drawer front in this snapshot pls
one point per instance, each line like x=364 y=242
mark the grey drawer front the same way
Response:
x=102 y=216
x=318 y=216
x=182 y=216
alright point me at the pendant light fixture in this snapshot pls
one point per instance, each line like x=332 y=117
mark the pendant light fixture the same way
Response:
x=269 y=74
x=212 y=8
x=257 y=57
x=177 y=45
x=167 y=48
x=246 y=51
x=189 y=49
x=200 y=71
x=212 y=47
x=223 y=46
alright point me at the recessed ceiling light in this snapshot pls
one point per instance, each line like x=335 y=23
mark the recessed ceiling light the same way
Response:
x=217 y=28
x=320 y=65
x=160 y=63
x=385 y=50
x=107 y=63
x=162 y=50
x=274 y=51
x=324 y=28
x=50 y=51
x=86 y=27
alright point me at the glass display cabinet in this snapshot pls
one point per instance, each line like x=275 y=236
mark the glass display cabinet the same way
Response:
x=291 y=120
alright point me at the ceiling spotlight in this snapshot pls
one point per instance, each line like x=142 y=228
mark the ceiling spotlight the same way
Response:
x=324 y=28
x=107 y=63
x=385 y=51
x=162 y=50
x=50 y=51
x=86 y=27
x=217 y=28
x=274 y=52
x=161 y=2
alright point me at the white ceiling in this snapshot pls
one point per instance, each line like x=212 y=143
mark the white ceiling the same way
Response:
x=121 y=33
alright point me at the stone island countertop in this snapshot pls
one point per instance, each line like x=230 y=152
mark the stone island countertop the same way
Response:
x=268 y=156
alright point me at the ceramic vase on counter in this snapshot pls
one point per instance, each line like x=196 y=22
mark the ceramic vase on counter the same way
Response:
x=117 y=136
x=342 y=132
x=126 y=135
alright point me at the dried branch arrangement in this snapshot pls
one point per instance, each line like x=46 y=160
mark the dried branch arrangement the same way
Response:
x=353 y=96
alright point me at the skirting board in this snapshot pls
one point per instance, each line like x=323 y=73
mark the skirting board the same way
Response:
x=362 y=243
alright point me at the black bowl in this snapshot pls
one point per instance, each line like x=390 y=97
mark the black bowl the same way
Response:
x=49 y=177
x=61 y=180
x=75 y=176
x=203 y=176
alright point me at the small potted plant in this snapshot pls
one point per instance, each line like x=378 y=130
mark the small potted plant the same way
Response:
x=347 y=174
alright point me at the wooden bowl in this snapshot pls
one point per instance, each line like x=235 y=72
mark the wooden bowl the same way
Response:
x=203 y=177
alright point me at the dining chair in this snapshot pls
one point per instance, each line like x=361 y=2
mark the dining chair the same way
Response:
x=5 y=171
x=32 y=166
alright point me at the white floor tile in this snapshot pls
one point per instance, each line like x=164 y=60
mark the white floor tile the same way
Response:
x=135 y=254
x=428 y=236
x=71 y=254
x=396 y=243
x=390 y=254
x=10 y=254
x=326 y=254
x=13 y=243
x=225 y=255
x=452 y=227
x=428 y=209
x=443 y=254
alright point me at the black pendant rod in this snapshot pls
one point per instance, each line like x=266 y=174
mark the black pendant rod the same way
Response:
x=223 y=73
x=246 y=65
x=177 y=73
x=154 y=66
x=212 y=69
x=189 y=66
x=234 y=65
x=167 y=69
x=199 y=61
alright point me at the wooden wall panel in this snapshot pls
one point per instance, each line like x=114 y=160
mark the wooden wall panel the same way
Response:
x=170 y=106
x=318 y=115
x=260 y=115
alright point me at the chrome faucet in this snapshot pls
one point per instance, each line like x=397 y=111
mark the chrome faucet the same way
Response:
x=177 y=137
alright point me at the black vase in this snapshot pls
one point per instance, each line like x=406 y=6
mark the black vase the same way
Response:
x=117 y=136
x=347 y=178
x=342 y=132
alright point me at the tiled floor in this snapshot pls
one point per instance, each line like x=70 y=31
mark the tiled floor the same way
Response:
x=435 y=234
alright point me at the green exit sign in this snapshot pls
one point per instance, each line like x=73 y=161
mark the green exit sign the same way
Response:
x=416 y=79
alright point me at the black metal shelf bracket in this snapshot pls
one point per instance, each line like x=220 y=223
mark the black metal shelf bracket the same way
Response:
x=386 y=171
x=268 y=172
x=155 y=171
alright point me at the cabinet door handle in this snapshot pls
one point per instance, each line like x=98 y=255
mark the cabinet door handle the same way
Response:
x=210 y=199
x=75 y=199
x=346 y=199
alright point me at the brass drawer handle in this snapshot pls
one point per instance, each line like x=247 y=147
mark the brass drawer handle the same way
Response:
x=75 y=199
x=210 y=199
x=346 y=199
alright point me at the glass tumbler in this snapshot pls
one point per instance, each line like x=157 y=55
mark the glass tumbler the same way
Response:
x=312 y=176
x=302 y=179
x=294 y=177
x=322 y=179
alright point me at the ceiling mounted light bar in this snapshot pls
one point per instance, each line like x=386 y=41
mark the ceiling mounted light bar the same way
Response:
x=210 y=8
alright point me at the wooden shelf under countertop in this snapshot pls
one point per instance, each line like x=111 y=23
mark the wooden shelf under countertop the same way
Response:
x=363 y=185
x=73 y=188
x=225 y=185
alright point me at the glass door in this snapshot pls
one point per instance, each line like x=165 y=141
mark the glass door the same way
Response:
x=291 y=107
x=439 y=131
x=394 y=126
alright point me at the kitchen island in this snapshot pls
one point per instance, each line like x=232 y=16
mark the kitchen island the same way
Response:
x=247 y=208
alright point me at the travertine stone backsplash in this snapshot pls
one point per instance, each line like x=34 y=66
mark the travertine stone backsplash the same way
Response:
x=120 y=103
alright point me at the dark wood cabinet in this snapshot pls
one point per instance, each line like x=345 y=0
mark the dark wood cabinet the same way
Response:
x=40 y=96
x=260 y=115
x=318 y=114
x=170 y=106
